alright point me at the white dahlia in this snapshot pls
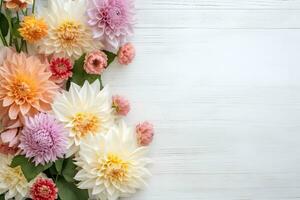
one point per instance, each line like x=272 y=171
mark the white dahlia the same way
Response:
x=112 y=165
x=12 y=180
x=84 y=110
x=68 y=33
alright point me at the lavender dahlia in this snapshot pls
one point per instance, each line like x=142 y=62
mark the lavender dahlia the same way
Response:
x=111 y=21
x=43 y=139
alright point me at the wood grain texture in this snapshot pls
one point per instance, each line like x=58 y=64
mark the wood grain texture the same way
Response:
x=220 y=79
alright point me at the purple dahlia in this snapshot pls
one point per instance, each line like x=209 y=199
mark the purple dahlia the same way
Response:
x=43 y=138
x=111 y=21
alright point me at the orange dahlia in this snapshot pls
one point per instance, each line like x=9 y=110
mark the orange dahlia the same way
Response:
x=25 y=88
x=33 y=29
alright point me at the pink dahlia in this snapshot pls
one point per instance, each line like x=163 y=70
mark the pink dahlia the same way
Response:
x=43 y=139
x=61 y=68
x=121 y=105
x=144 y=132
x=126 y=54
x=95 y=62
x=111 y=21
x=43 y=189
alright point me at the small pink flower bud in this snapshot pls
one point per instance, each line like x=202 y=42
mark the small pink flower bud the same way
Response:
x=121 y=105
x=144 y=133
x=126 y=54
x=95 y=62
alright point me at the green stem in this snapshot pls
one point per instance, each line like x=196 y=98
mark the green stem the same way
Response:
x=26 y=49
x=8 y=17
x=17 y=45
x=1 y=3
x=18 y=17
x=101 y=84
x=3 y=39
x=33 y=5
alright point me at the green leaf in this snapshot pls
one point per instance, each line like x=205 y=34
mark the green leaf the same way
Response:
x=4 y=26
x=79 y=74
x=110 y=57
x=2 y=197
x=29 y=169
x=59 y=165
x=69 y=169
x=69 y=191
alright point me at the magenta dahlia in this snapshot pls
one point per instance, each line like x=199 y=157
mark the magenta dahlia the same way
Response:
x=111 y=21
x=43 y=138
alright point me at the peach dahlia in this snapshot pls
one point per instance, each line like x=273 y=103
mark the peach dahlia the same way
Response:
x=25 y=88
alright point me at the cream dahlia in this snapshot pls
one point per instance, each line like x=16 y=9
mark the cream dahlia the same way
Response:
x=25 y=88
x=112 y=165
x=12 y=180
x=84 y=110
x=68 y=34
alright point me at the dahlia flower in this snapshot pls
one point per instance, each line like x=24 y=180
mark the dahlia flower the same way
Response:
x=112 y=21
x=95 y=62
x=144 y=132
x=84 y=110
x=43 y=189
x=33 y=29
x=68 y=34
x=121 y=105
x=17 y=4
x=126 y=54
x=112 y=165
x=9 y=140
x=43 y=139
x=25 y=88
x=61 y=69
x=12 y=180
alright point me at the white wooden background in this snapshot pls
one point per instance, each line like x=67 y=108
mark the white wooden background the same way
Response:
x=220 y=79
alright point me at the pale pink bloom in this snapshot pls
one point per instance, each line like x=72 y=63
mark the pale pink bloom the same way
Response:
x=144 y=132
x=126 y=54
x=111 y=21
x=95 y=62
x=9 y=136
x=9 y=141
x=121 y=105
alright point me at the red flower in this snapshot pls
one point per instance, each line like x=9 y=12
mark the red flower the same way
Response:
x=43 y=189
x=61 y=68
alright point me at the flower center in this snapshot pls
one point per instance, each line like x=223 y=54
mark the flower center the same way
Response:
x=111 y=16
x=84 y=123
x=43 y=139
x=114 y=168
x=68 y=32
x=22 y=91
x=44 y=191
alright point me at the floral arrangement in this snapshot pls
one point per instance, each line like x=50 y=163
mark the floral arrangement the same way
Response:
x=62 y=134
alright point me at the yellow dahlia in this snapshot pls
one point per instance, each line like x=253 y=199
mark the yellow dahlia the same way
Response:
x=85 y=111
x=25 y=88
x=112 y=165
x=12 y=180
x=68 y=34
x=33 y=29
